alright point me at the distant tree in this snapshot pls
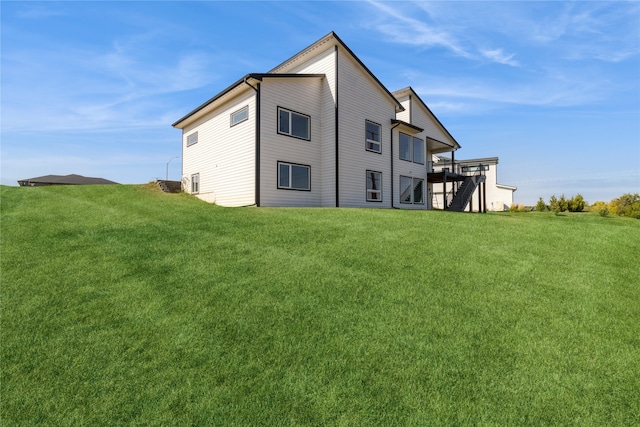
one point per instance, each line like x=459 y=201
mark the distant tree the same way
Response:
x=554 y=204
x=564 y=205
x=576 y=203
x=627 y=205
x=541 y=206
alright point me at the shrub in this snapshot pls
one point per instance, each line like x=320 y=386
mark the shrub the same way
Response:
x=627 y=205
x=516 y=207
x=600 y=207
x=574 y=204
x=541 y=206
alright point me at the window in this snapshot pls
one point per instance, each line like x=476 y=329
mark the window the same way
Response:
x=405 y=147
x=418 y=150
x=195 y=183
x=192 y=139
x=475 y=168
x=374 y=186
x=372 y=137
x=411 y=190
x=240 y=116
x=411 y=148
x=294 y=124
x=294 y=177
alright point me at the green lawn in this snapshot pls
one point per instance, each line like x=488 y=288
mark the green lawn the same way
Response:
x=122 y=305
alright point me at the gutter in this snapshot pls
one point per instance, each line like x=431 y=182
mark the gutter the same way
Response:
x=257 y=138
x=395 y=125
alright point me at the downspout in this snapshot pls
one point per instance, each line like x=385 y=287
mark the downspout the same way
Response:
x=392 y=186
x=337 y=165
x=257 y=178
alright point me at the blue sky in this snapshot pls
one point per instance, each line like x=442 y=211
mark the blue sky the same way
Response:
x=551 y=88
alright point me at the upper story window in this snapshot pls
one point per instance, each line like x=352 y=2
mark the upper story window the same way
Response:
x=411 y=148
x=372 y=137
x=192 y=139
x=294 y=124
x=477 y=168
x=240 y=116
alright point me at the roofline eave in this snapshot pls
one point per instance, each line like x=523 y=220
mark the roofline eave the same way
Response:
x=250 y=76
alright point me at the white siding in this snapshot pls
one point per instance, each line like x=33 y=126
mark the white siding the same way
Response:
x=224 y=156
x=324 y=63
x=360 y=99
x=302 y=95
x=421 y=118
x=405 y=115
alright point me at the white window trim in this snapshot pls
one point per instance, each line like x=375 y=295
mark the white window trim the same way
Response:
x=195 y=183
x=190 y=137
x=369 y=142
x=371 y=191
x=243 y=109
x=290 y=178
x=290 y=124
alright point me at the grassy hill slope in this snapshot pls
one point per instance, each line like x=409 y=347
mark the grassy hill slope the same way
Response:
x=125 y=305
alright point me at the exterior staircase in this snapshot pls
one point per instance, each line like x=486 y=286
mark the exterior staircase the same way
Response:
x=464 y=193
x=169 y=186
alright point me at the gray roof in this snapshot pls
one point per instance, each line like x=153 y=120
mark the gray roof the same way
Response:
x=64 y=180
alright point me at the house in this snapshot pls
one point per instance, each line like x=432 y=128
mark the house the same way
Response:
x=319 y=129
x=62 y=180
x=492 y=196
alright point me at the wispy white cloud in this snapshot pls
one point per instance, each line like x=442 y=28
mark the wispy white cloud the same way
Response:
x=467 y=94
x=497 y=55
x=408 y=30
x=576 y=31
x=604 y=31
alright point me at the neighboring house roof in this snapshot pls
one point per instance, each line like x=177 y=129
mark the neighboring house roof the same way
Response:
x=63 y=180
x=507 y=187
x=409 y=91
